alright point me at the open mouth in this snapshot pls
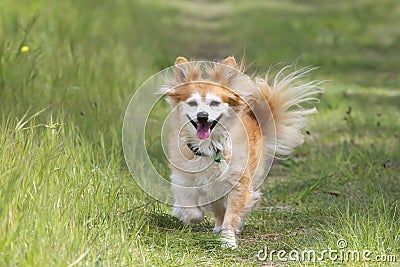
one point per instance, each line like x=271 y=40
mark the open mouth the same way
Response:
x=203 y=129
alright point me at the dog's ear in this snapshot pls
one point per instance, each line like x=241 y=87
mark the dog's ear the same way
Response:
x=230 y=61
x=181 y=60
x=224 y=72
x=186 y=71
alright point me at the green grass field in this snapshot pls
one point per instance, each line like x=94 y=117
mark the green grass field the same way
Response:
x=69 y=68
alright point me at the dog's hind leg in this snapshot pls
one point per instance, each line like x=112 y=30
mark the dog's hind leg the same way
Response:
x=255 y=197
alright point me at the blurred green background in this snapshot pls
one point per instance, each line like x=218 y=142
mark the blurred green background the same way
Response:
x=87 y=56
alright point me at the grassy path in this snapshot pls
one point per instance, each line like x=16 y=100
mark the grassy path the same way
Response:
x=203 y=25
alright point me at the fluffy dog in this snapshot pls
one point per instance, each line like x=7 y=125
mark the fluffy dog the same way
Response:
x=227 y=129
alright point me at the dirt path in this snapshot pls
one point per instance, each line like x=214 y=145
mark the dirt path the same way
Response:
x=206 y=25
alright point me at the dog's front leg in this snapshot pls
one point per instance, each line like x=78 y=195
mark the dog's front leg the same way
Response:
x=218 y=208
x=236 y=203
x=186 y=206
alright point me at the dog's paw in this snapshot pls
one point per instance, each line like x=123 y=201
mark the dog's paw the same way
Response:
x=228 y=239
x=176 y=212
x=217 y=229
x=191 y=215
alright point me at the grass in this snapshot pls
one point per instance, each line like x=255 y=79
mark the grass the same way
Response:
x=66 y=195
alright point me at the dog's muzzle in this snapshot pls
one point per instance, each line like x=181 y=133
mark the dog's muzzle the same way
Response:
x=203 y=125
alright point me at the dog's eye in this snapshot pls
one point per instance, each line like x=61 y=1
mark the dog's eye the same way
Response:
x=215 y=103
x=192 y=103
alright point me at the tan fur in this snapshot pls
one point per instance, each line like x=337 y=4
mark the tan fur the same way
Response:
x=282 y=123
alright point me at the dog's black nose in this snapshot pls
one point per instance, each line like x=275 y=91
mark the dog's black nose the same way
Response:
x=202 y=116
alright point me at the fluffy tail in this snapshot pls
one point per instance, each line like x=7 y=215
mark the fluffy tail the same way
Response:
x=285 y=97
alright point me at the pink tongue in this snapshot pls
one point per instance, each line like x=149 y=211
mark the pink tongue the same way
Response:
x=203 y=130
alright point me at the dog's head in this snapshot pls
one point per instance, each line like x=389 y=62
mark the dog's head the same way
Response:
x=204 y=103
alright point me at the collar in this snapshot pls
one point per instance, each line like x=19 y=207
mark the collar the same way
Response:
x=197 y=152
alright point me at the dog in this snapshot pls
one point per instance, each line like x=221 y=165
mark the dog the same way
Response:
x=227 y=130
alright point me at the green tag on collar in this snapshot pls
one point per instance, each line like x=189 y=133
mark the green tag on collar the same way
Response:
x=218 y=156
